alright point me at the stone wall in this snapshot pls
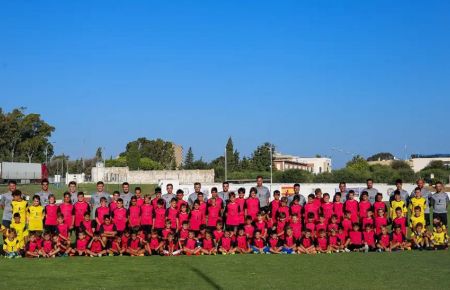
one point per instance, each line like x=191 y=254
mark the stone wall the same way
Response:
x=122 y=174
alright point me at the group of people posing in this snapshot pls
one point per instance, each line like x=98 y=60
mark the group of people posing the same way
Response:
x=224 y=222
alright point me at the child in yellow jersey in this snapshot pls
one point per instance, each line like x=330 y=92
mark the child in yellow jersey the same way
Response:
x=21 y=230
x=398 y=202
x=439 y=239
x=417 y=218
x=35 y=218
x=11 y=245
x=417 y=200
x=419 y=239
x=19 y=205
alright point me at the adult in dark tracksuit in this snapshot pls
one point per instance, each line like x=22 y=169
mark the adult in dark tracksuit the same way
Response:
x=439 y=202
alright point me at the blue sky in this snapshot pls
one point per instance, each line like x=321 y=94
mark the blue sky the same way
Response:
x=362 y=76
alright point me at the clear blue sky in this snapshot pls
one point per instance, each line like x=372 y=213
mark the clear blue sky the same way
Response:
x=363 y=76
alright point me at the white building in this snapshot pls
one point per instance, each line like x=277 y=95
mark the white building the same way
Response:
x=420 y=163
x=315 y=165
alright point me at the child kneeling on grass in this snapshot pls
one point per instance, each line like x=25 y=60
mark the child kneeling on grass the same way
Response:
x=306 y=244
x=96 y=247
x=11 y=245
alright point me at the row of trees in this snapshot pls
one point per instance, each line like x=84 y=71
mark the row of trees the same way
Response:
x=24 y=137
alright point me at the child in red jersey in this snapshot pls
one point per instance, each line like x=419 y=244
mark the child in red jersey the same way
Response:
x=232 y=213
x=134 y=248
x=342 y=235
x=208 y=246
x=116 y=248
x=183 y=234
x=157 y=198
x=51 y=215
x=296 y=225
x=214 y=209
x=355 y=240
x=274 y=205
x=338 y=206
x=284 y=208
x=248 y=227
x=347 y=221
x=101 y=212
x=261 y=225
x=321 y=224
x=281 y=225
x=191 y=246
x=62 y=229
x=364 y=205
x=311 y=207
x=113 y=203
x=333 y=223
x=172 y=214
x=138 y=194
x=334 y=242
x=398 y=240
x=384 y=240
x=295 y=206
x=107 y=230
x=275 y=244
x=289 y=242
x=399 y=220
x=81 y=245
x=306 y=244
x=154 y=245
x=47 y=248
x=171 y=247
x=147 y=215
x=66 y=210
x=379 y=204
x=159 y=219
x=183 y=215
x=167 y=230
x=96 y=247
x=33 y=248
x=368 y=220
x=311 y=224
x=119 y=217
x=327 y=207
x=218 y=232
x=252 y=207
x=226 y=244
x=196 y=217
x=134 y=214
x=369 y=239
x=240 y=200
x=380 y=220
x=318 y=199
x=322 y=245
x=258 y=244
x=80 y=208
x=351 y=205
x=242 y=245
x=87 y=226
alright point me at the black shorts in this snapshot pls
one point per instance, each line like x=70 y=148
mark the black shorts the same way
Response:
x=352 y=247
x=51 y=229
x=440 y=247
x=443 y=217
x=147 y=229
x=230 y=228
x=427 y=219
x=6 y=223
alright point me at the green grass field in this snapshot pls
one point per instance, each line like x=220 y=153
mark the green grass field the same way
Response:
x=401 y=270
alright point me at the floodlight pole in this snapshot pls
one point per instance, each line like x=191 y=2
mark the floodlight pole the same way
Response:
x=226 y=166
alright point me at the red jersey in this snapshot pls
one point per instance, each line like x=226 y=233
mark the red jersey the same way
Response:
x=333 y=240
x=249 y=230
x=80 y=208
x=100 y=213
x=367 y=221
x=219 y=202
x=364 y=206
x=338 y=209
x=402 y=222
x=213 y=215
x=285 y=210
x=191 y=244
x=379 y=205
x=347 y=225
x=112 y=206
x=232 y=214
x=398 y=237
x=306 y=242
x=195 y=219
x=82 y=244
x=262 y=227
x=311 y=227
x=134 y=216
x=352 y=207
x=322 y=243
x=242 y=242
x=380 y=221
x=147 y=214
x=274 y=205
x=369 y=238
x=134 y=244
x=182 y=217
x=327 y=210
x=274 y=243
x=355 y=237
x=87 y=226
x=296 y=209
x=241 y=203
x=296 y=229
x=172 y=215
x=312 y=207
x=66 y=209
x=119 y=216
x=166 y=232
x=226 y=243
x=385 y=240
x=160 y=217
x=252 y=206
x=207 y=244
x=333 y=226
x=218 y=235
x=180 y=202
x=63 y=230
x=289 y=241
x=47 y=246
x=124 y=240
x=258 y=243
x=51 y=215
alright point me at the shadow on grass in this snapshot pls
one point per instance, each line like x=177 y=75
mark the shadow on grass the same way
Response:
x=205 y=277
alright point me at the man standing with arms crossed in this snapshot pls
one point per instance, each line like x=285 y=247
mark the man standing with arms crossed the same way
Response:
x=5 y=203
x=297 y=192
x=193 y=197
x=96 y=196
x=371 y=191
x=126 y=195
x=44 y=193
x=73 y=192
x=225 y=194
x=169 y=195
x=439 y=201
x=263 y=194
